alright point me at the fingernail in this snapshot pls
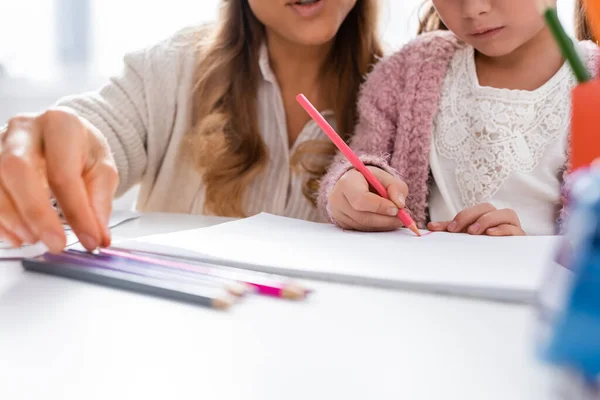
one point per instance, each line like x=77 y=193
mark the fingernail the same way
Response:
x=434 y=224
x=53 y=241
x=401 y=199
x=474 y=228
x=393 y=211
x=88 y=242
x=452 y=226
x=492 y=230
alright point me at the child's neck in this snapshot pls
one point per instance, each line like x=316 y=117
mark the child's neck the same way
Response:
x=527 y=68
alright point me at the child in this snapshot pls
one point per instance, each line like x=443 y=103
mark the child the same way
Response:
x=467 y=128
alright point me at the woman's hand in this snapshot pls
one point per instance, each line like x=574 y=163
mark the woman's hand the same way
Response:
x=57 y=153
x=354 y=206
x=482 y=219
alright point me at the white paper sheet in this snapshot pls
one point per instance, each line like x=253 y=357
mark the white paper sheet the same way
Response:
x=6 y=252
x=509 y=269
x=117 y=218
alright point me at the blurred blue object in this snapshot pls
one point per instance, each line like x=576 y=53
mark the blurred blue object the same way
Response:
x=570 y=298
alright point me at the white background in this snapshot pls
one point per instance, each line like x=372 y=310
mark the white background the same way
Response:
x=29 y=29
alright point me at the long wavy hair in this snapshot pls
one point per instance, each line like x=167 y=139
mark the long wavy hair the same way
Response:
x=224 y=139
x=583 y=29
x=430 y=20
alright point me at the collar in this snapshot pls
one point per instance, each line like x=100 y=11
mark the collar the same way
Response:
x=269 y=76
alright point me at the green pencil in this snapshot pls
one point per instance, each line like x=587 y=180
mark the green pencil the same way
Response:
x=548 y=10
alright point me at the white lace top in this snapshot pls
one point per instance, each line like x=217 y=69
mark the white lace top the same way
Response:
x=499 y=146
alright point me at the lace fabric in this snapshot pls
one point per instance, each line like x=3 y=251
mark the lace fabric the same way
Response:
x=490 y=132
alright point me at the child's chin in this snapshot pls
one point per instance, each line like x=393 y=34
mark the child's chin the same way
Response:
x=494 y=49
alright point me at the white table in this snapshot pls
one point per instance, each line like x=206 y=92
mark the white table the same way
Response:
x=62 y=339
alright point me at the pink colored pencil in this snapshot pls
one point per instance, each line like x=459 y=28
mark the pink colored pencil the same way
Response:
x=353 y=158
x=284 y=290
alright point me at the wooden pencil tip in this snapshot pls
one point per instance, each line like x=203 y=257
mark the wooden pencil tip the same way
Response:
x=414 y=229
x=222 y=303
x=293 y=291
x=239 y=289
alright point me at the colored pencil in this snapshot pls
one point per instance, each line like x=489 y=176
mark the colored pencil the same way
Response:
x=548 y=10
x=155 y=271
x=265 y=285
x=353 y=158
x=57 y=264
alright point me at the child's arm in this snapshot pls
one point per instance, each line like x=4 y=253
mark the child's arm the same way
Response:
x=375 y=133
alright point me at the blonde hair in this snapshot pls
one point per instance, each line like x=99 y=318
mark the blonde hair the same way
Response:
x=430 y=21
x=224 y=138
x=583 y=30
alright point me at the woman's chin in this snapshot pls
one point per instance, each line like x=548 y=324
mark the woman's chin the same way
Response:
x=314 y=37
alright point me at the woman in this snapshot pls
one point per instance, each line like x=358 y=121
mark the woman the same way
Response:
x=206 y=121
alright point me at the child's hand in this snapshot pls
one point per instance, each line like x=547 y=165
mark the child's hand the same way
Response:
x=482 y=219
x=353 y=206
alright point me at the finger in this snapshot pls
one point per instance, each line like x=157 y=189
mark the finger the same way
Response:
x=338 y=206
x=397 y=189
x=6 y=236
x=505 y=230
x=493 y=219
x=101 y=185
x=20 y=177
x=346 y=223
x=65 y=142
x=372 y=222
x=11 y=221
x=372 y=203
x=356 y=192
x=468 y=216
x=438 y=226
x=363 y=221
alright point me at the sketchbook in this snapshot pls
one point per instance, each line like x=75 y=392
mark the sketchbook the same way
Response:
x=494 y=268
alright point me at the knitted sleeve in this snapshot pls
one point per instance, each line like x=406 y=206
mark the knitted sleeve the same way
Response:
x=120 y=112
x=133 y=109
x=376 y=129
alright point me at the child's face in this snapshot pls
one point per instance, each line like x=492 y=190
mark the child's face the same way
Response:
x=495 y=28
